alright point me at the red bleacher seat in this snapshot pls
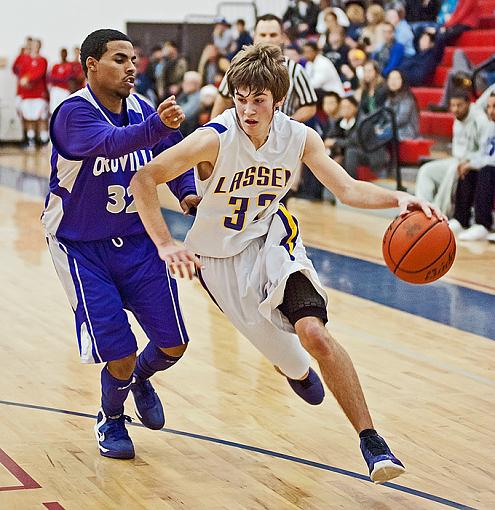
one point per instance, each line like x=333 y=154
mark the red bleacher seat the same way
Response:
x=476 y=38
x=440 y=76
x=487 y=7
x=426 y=95
x=487 y=22
x=474 y=54
x=436 y=124
x=410 y=151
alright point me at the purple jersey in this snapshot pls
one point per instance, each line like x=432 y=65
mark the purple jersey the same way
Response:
x=95 y=154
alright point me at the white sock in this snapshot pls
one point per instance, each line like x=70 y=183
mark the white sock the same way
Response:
x=44 y=137
x=30 y=134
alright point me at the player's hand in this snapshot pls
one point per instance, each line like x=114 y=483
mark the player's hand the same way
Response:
x=170 y=113
x=408 y=203
x=190 y=203
x=179 y=260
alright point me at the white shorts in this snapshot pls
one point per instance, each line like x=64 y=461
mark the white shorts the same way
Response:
x=34 y=109
x=250 y=286
x=57 y=95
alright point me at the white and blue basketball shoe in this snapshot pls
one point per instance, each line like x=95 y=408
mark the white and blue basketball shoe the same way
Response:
x=149 y=408
x=383 y=465
x=112 y=436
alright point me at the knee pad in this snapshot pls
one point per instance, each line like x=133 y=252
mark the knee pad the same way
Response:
x=301 y=299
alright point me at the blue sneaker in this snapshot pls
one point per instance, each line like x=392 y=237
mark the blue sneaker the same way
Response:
x=149 y=409
x=113 y=439
x=309 y=389
x=382 y=463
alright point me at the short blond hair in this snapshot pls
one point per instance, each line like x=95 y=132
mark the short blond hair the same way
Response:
x=257 y=68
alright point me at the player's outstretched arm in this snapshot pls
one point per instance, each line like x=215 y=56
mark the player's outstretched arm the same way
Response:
x=353 y=192
x=200 y=146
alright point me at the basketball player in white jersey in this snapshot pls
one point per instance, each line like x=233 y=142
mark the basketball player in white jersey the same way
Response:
x=250 y=255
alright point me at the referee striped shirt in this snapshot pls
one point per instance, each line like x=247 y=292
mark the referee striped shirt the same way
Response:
x=300 y=92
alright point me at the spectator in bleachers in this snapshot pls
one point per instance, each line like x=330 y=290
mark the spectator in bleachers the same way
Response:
x=372 y=34
x=222 y=35
x=391 y=54
x=420 y=68
x=403 y=32
x=459 y=76
x=207 y=96
x=353 y=71
x=34 y=92
x=171 y=71
x=190 y=101
x=212 y=65
x=299 y=20
x=241 y=38
x=464 y=16
x=59 y=80
x=421 y=14
x=78 y=80
x=343 y=141
x=328 y=113
x=143 y=84
x=437 y=179
x=476 y=185
x=401 y=100
x=331 y=22
x=354 y=10
x=373 y=90
x=322 y=25
x=335 y=48
x=21 y=63
x=293 y=52
x=155 y=61
x=320 y=70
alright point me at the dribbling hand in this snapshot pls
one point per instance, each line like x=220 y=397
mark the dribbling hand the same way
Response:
x=180 y=261
x=170 y=113
x=408 y=203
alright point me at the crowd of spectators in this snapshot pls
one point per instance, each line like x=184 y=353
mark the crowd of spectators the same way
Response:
x=350 y=58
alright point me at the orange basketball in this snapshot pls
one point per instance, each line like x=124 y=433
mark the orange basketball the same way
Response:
x=418 y=249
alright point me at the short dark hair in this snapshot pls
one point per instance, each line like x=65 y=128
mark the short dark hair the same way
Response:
x=95 y=44
x=332 y=93
x=312 y=45
x=460 y=94
x=269 y=17
x=351 y=100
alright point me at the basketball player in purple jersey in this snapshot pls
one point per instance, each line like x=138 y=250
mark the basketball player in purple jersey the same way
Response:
x=104 y=258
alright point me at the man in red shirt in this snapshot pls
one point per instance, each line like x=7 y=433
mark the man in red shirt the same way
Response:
x=34 y=93
x=60 y=80
x=22 y=62
x=78 y=80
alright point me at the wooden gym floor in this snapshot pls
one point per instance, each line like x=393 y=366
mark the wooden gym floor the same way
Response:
x=236 y=436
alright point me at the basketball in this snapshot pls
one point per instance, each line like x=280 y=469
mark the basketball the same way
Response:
x=418 y=249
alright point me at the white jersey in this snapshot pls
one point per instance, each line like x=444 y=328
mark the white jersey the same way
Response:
x=244 y=190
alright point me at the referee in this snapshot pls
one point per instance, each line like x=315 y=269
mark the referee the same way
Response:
x=300 y=103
